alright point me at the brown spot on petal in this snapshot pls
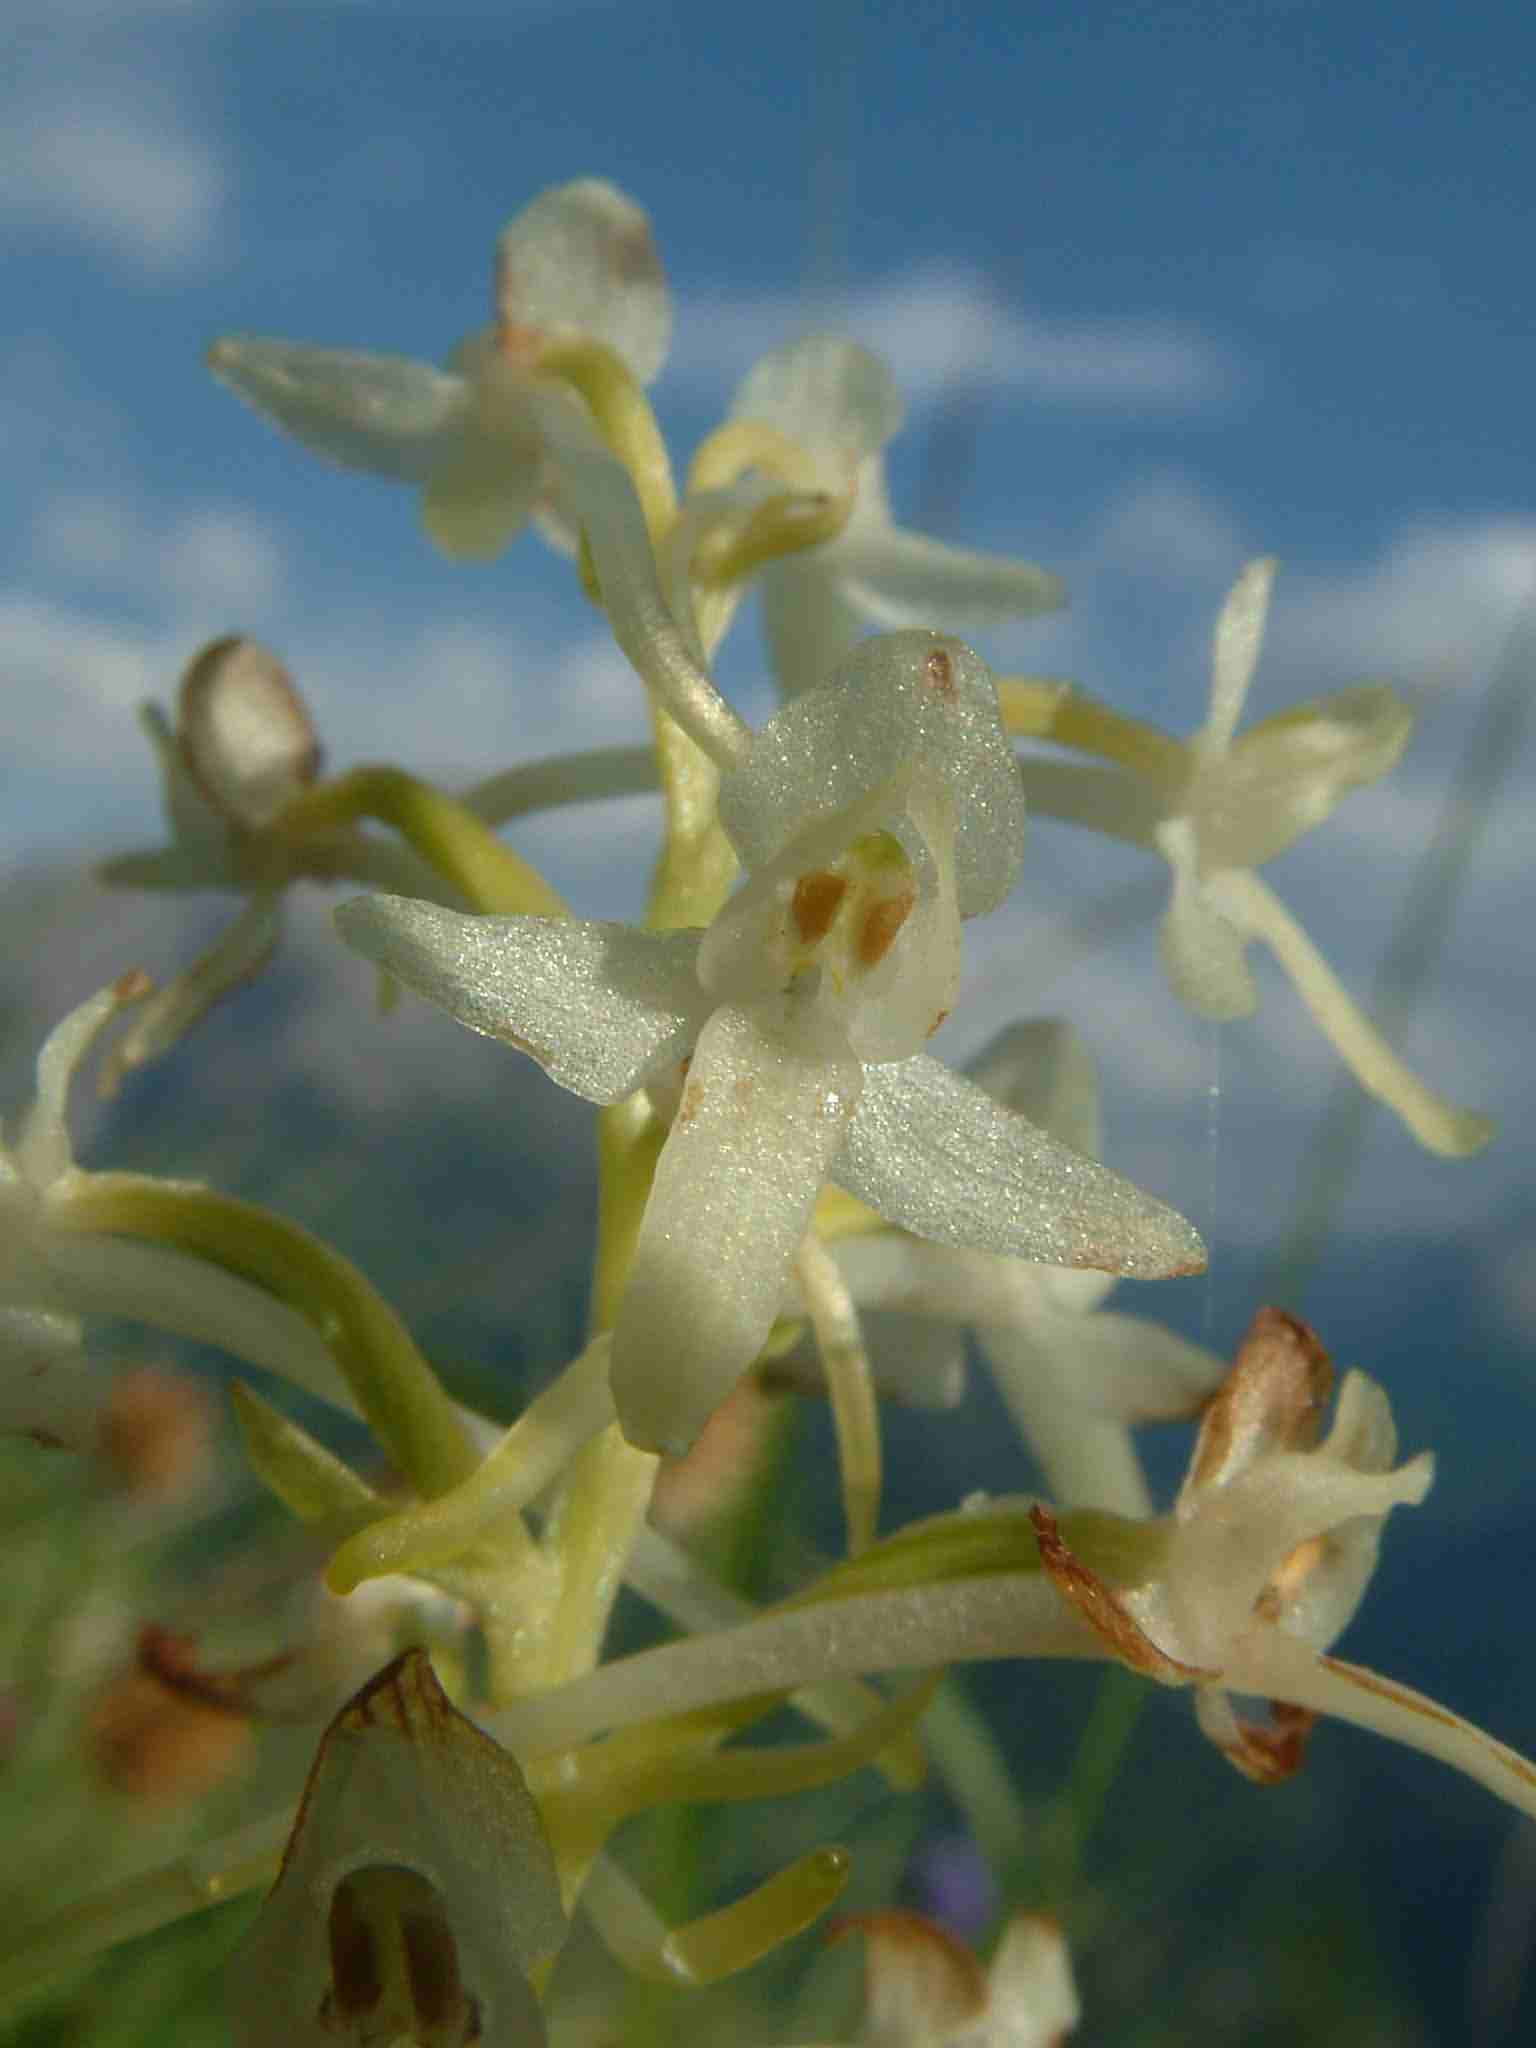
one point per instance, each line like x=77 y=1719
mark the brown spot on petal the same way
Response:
x=689 y=1107
x=815 y=903
x=133 y=986
x=939 y=672
x=1082 y=1588
x=1272 y=1400
x=882 y=921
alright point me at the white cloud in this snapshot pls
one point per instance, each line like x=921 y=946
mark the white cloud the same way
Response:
x=131 y=176
x=1437 y=606
x=209 y=558
x=938 y=327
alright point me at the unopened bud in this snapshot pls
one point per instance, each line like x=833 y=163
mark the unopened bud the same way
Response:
x=245 y=732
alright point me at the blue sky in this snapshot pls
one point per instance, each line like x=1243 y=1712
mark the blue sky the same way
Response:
x=1165 y=286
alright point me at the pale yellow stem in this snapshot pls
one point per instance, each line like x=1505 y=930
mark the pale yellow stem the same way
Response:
x=1253 y=907
x=850 y=1387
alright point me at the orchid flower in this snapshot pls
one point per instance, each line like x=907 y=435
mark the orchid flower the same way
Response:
x=417 y=1893
x=835 y=405
x=1266 y=1559
x=1242 y=1590
x=925 y=1989
x=1074 y=1380
x=539 y=416
x=61 y=1258
x=578 y=264
x=871 y=815
x=1221 y=804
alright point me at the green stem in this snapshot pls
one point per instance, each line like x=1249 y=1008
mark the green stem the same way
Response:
x=395 y=1388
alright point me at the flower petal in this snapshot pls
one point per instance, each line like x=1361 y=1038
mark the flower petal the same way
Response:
x=600 y=1006
x=1283 y=777
x=384 y=414
x=906 y=700
x=1204 y=953
x=1041 y=1067
x=580 y=261
x=1033 y=1998
x=898 y=578
x=810 y=622
x=761 y=1119
x=1235 y=652
x=838 y=399
x=935 y=1154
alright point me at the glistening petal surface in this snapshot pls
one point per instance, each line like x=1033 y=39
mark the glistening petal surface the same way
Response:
x=761 y=1119
x=934 y=1153
x=600 y=1006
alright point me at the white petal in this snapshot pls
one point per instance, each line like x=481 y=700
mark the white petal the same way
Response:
x=761 y=1119
x=1087 y=1460
x=384 y=414
x=480 y=496
x=1235 y=651
x=897 y=578
x=1034 y=2002
x=1290 y=773
x=1204 y=953
x=1042 y=1068
x=937 y=1155
x=600 y=1006
x=917 y=1363
x=838 y=399
x=810 y=623
x=581 y=261
x=904 y=700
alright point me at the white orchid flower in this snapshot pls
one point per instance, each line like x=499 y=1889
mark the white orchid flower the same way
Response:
x=57 y=1262
x=1266 y=1559
x=838 y=404
x=1074 y=1380
x=871 y=815
x=1221 y=804
x=417 y=1893
x=1242 y=1590
x=578 y=264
